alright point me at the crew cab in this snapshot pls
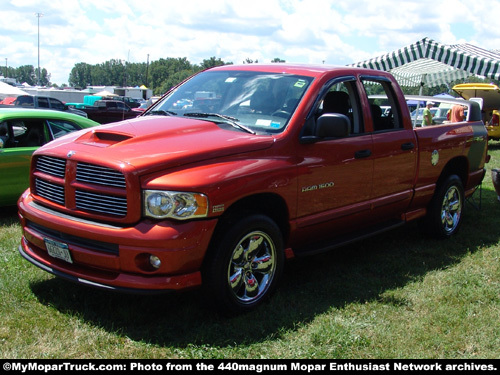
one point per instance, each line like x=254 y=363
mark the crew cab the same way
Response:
x=45 y=102
x=238 y=169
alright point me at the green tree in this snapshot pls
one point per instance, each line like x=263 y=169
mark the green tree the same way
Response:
x=26 y=73
x=212 y=62
x=166 y=73
x=81 y=75
x=44 y=77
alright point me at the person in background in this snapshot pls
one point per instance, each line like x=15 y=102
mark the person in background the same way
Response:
x=457 y=113
x=427 y=120
x=495 y=118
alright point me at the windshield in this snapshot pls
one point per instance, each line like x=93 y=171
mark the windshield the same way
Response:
x=255 y=102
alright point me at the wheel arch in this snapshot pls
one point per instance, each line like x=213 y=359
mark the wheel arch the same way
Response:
x=457 y=166
x=268 y=204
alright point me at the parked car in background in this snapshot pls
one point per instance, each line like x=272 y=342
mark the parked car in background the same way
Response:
x=8 y=100
x=45 y=102
x=488 y=95
x=493 y=126
x=106 y=111
x=22 y=131
x=131 y=102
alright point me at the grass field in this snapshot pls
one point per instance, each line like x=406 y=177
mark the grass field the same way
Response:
x=397 y=295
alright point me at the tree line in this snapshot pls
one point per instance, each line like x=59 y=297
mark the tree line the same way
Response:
x=159 y=75
x=28 y=74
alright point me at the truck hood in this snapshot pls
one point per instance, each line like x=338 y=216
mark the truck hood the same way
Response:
x=155 y=142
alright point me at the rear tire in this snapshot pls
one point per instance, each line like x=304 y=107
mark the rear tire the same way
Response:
x=446 y=208
x=244 y=264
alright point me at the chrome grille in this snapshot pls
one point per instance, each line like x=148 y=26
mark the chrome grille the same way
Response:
x=50 y=191
x=52 y=166
x=108 y=200
x=95 y=174
x=102 y=203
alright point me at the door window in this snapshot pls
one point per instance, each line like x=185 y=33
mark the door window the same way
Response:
x=25 y=133
x=342 y=98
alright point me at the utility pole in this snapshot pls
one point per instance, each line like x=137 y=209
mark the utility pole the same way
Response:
x=38 y=15
x=6 y=67
x=147 y=71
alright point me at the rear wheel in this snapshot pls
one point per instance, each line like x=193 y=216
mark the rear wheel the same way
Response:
x=244 y=264
x=446 y=208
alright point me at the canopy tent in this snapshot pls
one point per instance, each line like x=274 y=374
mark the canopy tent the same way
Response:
x=7 y=90
x=104 y=93
x=430 y=63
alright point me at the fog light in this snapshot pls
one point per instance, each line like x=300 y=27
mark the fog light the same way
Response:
x=154 y=261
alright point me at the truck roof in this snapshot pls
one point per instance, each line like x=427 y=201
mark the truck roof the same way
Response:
x=310 y=70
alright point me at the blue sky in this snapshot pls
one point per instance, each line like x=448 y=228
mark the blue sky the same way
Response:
x=335 y=32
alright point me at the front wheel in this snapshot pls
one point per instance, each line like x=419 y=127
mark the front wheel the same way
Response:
x=244 y=265
x=446 y=208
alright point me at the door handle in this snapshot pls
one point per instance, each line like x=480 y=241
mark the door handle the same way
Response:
x=362 y=154
x=407 y=146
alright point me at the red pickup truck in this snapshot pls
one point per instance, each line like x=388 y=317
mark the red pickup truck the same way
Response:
x=237 y=169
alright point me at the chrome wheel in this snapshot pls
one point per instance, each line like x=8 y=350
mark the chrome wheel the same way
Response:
x=252 y=267
x=446 y=208
x=451 y=209
x=244 y=264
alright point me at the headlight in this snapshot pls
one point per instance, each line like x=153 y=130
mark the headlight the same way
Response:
x=160 y=204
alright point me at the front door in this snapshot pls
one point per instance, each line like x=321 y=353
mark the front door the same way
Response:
x=335 y=175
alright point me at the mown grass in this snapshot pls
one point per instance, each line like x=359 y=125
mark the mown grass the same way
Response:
x=397 y=295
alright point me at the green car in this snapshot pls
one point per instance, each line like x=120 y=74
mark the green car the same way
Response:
x=22 y=131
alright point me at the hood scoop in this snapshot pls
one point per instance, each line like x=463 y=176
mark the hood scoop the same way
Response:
x=101 y=138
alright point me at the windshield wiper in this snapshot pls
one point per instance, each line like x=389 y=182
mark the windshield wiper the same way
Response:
x=231 y=120
x=162 y=112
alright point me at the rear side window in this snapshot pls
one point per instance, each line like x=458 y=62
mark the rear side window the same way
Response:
x=43 y=103
x=384 y=107
x=56 y=104
x=25 y=101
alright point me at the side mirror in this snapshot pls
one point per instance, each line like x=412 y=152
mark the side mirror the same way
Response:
x=332 y=125
x=475 y=112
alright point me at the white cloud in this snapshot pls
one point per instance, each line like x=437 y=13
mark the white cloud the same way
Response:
x=309 y=31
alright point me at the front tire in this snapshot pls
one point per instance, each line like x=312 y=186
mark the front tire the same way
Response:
x=446 y=209
x=244 y=264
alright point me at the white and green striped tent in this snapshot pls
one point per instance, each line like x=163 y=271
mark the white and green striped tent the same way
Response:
x=430 y=63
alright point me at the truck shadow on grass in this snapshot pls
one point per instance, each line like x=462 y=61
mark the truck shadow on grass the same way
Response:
x=8 y=215
x=310 y=286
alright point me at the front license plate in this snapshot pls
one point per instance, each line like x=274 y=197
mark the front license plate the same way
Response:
x=58 y=250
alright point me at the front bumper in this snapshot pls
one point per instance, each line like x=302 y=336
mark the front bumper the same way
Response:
x=116 y=258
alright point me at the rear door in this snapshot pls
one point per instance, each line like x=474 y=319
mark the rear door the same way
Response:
x=394 y=151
